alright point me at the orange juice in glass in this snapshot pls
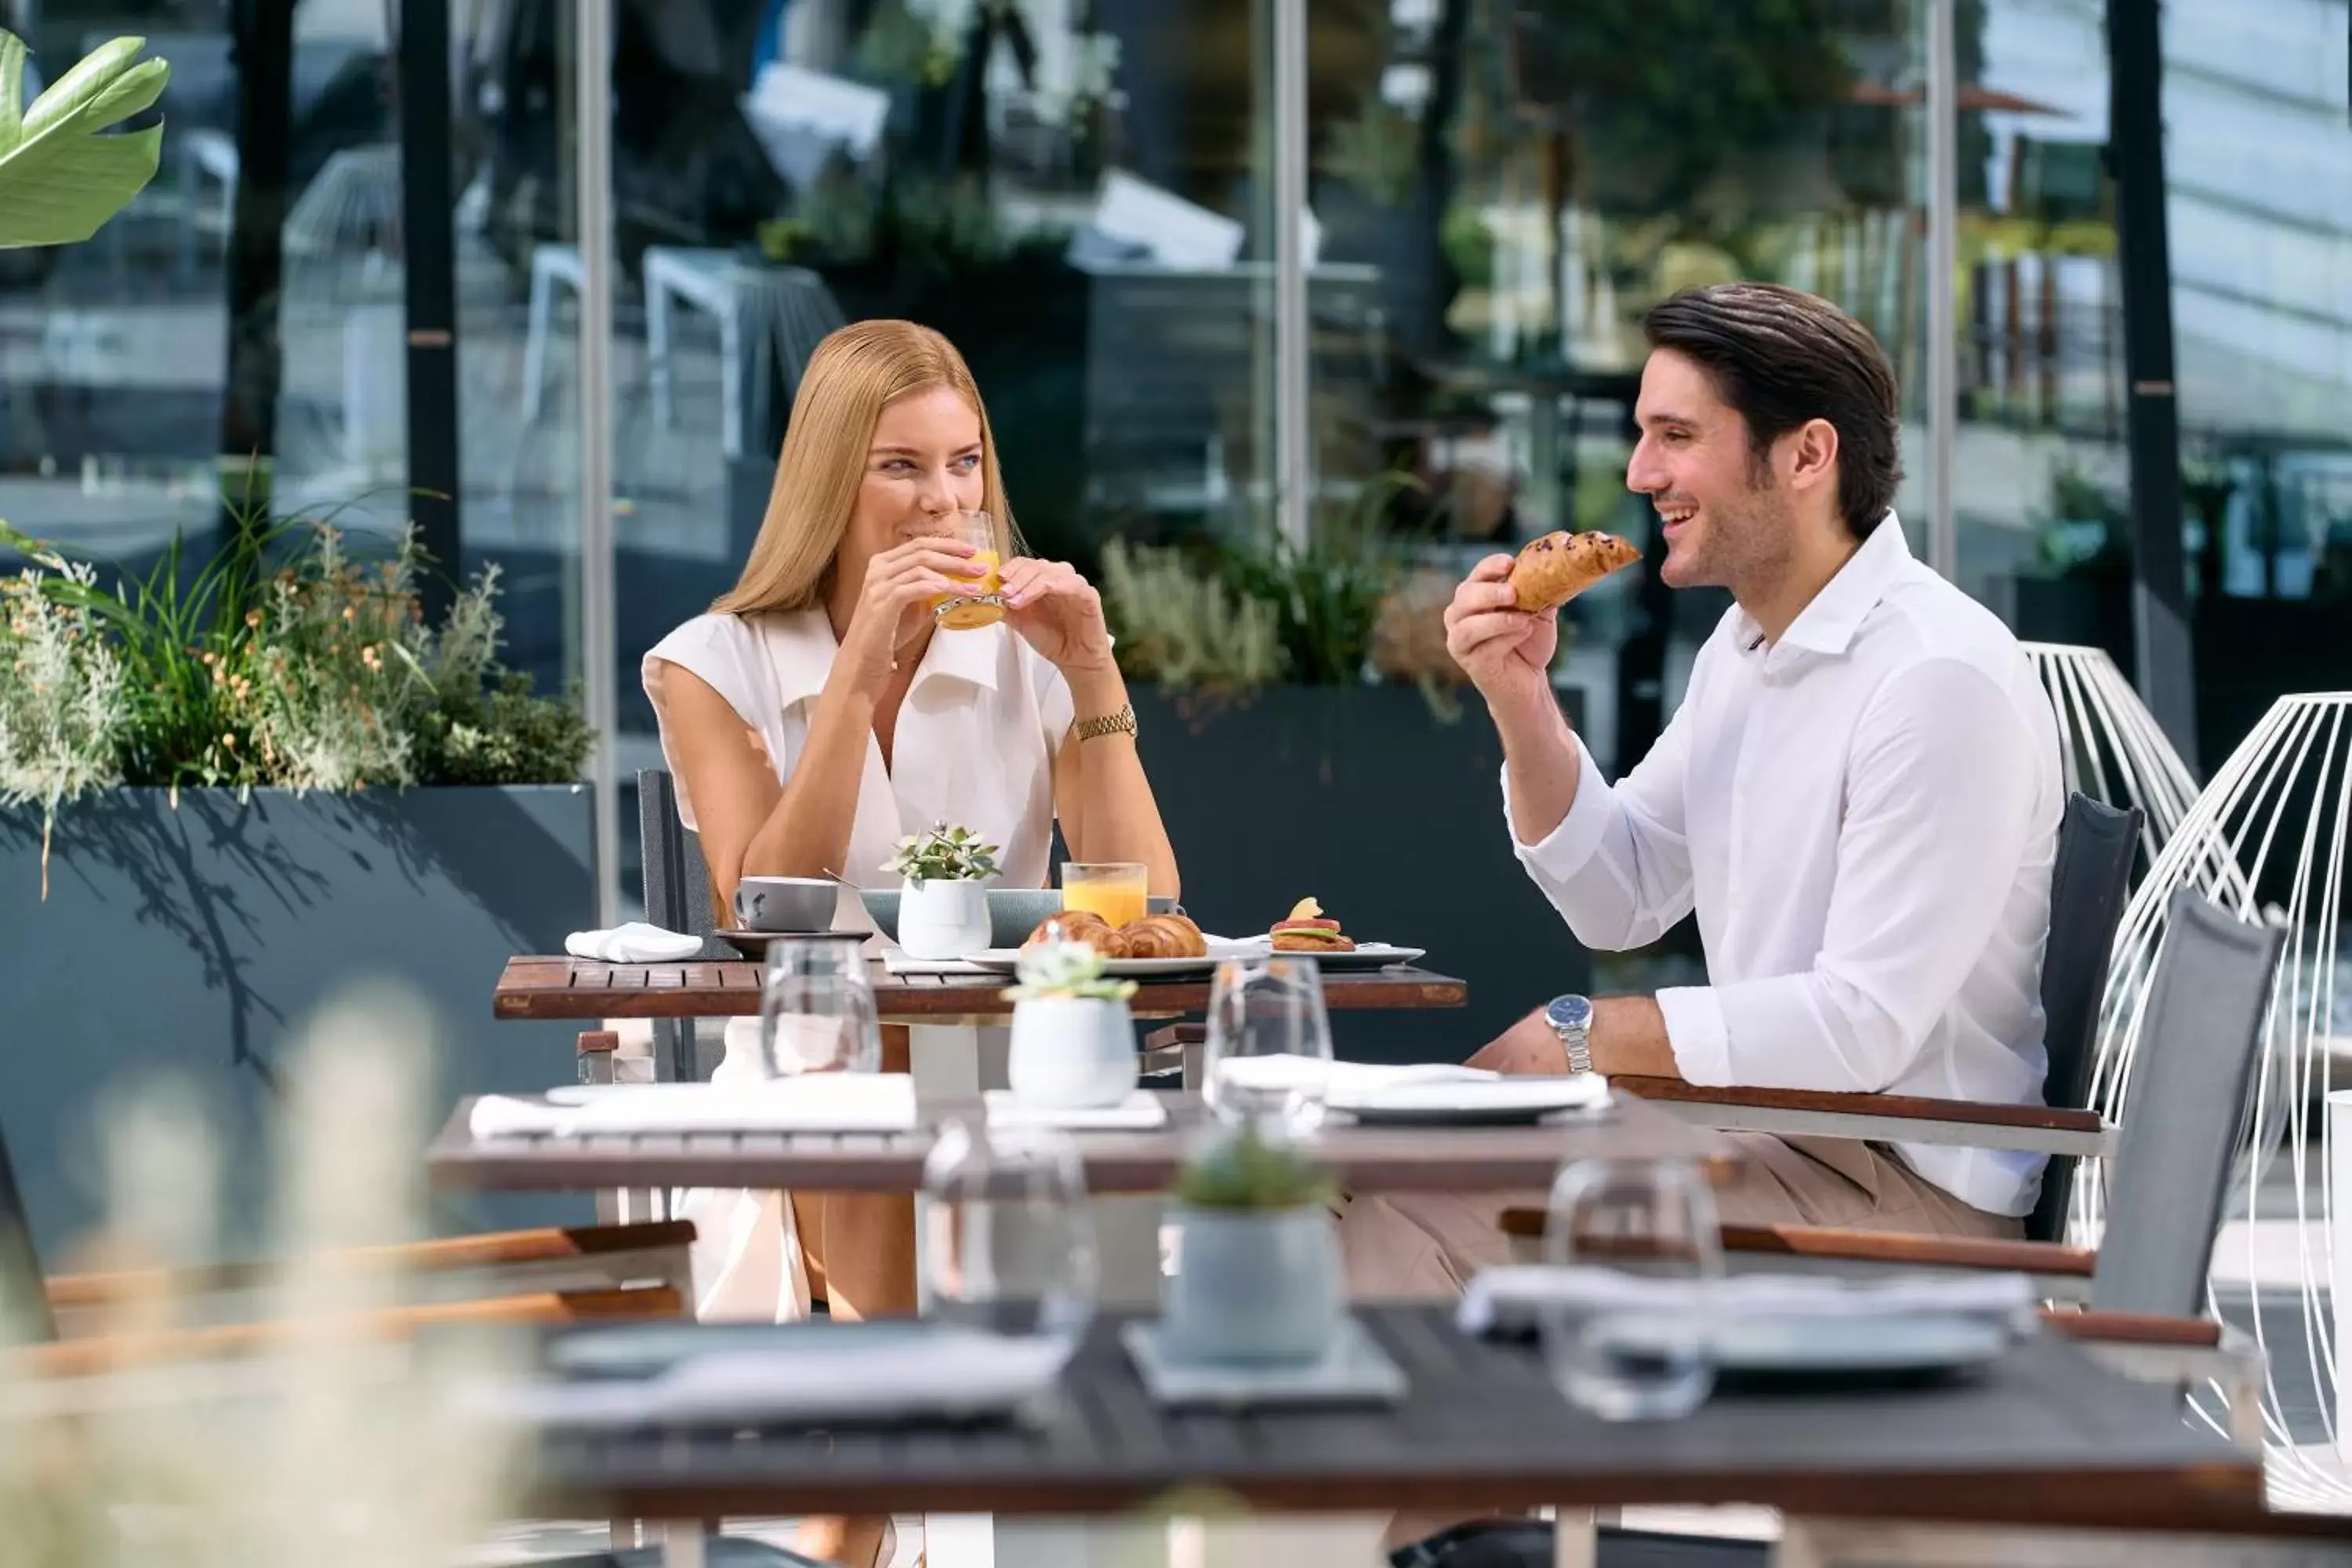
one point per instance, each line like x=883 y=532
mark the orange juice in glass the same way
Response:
x=982 y=604
x=1119 y=892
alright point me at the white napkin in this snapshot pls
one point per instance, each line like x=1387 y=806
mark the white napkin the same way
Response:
x=1337 y=1078
x=636 y=942
x=943 y=1373
x=812 y=1102
x=1141 y=1110
x=1511 y=1299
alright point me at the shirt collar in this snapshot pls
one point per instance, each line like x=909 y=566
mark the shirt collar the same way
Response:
x=800 y=649
x=1828 y=624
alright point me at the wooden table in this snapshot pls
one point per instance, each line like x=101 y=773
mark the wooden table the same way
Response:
x=2046 y=1437
x=1364 y=1159
x=582 y=988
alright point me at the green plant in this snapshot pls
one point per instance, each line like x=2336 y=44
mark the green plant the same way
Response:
x=63 y=170
x=1065 y=969
x=1243 y=1169
x=1179 y=622
x=945 y=854
x=283 y=663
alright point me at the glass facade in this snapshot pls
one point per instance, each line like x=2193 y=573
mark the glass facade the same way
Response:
x=1080 y=193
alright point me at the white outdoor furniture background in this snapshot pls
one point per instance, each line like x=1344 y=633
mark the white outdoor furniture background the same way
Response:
x=2110 y=744
x=2278 y=814
x=779 y=311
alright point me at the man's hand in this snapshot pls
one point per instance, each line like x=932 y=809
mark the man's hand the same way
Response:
x=1505 y=651
x=1530 y=1046
x=1629 y=1037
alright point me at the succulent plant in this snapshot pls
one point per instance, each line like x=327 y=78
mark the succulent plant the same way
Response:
x=945 y=854
x=1065 y=969
x=1245 y=1168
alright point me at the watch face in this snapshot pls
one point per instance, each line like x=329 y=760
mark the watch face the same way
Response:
x=1569 y=1013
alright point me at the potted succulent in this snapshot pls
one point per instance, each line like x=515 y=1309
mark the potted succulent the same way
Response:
x=1258 y=1278
x=1073 y=1043
x=943 y=900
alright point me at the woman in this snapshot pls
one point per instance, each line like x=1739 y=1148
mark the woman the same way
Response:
x=815 y=716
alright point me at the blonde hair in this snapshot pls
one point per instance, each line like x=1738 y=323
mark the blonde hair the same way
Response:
x=855 y=372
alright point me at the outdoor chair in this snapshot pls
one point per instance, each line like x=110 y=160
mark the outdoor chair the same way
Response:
x=2090 y=882
x=2146 y=1281
x=553 y=1275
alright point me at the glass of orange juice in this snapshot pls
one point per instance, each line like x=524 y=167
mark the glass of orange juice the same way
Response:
x=1117 y=891
x=982 y=603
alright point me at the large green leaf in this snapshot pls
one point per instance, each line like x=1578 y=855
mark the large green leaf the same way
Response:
x=63 y=171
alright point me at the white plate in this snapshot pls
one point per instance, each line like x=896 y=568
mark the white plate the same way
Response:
x=1489 y=1101
x=1795 y=1344
x=1004 y=960
x=1366 y=955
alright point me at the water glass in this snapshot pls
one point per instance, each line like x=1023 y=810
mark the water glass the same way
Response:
x=816 y=1009
x=1651 y=1219
x=1008 y=1235
x=1268 y=1051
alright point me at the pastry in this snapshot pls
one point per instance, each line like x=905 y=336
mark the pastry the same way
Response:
x=1307 y=929
x=1159 y=936
x=1554 y=569
x=1082 y=926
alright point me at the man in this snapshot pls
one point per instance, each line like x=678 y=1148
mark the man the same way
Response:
x=1859 y=796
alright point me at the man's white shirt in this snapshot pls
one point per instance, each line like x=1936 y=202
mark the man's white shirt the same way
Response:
x=1864 y=815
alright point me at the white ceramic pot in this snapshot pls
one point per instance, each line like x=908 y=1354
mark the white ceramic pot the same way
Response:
x=1072 y=1052
x=1255 y=1286
x=943 y=919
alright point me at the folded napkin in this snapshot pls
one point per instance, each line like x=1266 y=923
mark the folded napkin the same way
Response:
x=812 y=1102
x=636 y=942
x=1511 y=1300
x=1338 y=1078
x=942 y=1374
x=1141 y=1110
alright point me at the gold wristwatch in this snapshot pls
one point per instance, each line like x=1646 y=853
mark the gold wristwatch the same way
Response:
x=1120 y=723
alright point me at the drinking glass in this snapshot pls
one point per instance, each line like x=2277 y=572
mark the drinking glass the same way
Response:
x=1269 y=1050
x=1654 y=1219
x=1117 y=891
x=816 y=1009
x=1008 y=1237
x=982 y=603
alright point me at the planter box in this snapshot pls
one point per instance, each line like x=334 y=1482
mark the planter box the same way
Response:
x=197 y=940
x=1365 y=799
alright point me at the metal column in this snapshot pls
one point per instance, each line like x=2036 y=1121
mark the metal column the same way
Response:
x=2167 y=669
x=593 y=110
x=1943 y=269
x=1294 y=464
x=430 y=277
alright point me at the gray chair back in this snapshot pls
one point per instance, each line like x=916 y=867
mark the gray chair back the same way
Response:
x=2185 y=1106
x=676 y=898
x=2089 y=884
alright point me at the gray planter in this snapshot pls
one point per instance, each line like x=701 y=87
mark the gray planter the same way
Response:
x=196 y=940
x=1254 y=1287
x=1393 y=818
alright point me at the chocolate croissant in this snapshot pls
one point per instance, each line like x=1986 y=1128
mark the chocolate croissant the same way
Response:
x=1082 y=926
x=1159 y=936
x=1552 y=570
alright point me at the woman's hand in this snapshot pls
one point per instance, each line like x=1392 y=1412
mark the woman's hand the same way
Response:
x=901 y=584
x=1058 y=613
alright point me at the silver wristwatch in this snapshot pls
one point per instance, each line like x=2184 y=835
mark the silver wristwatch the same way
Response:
x=1570 y=1018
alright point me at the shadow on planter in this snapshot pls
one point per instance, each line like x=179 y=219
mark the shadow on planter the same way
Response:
x=196 y=939
x=1364 y=798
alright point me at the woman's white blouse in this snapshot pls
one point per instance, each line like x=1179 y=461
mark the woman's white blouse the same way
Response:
x=975 y=741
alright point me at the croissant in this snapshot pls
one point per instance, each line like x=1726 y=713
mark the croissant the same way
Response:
x=1081 y=926
x=1159 y=936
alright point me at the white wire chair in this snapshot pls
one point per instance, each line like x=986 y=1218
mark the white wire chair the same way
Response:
x=2268 y=840
x=2110 y=744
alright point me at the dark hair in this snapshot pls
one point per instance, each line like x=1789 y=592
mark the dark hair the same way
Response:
x=1779 y=357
